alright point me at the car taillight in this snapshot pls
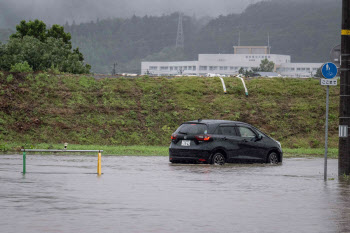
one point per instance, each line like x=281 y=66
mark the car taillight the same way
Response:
x=203 y=137
x=173 y=136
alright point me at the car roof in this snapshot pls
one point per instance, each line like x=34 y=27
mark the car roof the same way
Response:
x=214 y=122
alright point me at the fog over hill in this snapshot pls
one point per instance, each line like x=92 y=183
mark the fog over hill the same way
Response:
x=304 y=29
x=60 y=12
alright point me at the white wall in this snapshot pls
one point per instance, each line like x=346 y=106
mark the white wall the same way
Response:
x=299 y=69
x=229 y=64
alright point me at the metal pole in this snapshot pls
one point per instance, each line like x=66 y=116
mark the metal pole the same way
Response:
x=344 y=106
x=24 y=162
x=326 y=136
x=99 y=164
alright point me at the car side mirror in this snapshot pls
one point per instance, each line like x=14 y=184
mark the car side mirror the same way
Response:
x=259 y=137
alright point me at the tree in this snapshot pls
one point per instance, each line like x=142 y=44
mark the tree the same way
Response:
x=57 y=31
x=319 y=73
x=249 y=73
x=41 y=49
x=266 y=65
x=36 y=28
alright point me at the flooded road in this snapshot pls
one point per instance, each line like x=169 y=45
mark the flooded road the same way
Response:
x=61 y=193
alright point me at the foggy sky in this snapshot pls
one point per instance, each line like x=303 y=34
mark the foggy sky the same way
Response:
x=61 y=11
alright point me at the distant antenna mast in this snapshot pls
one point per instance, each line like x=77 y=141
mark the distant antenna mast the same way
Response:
x=268 y=43
x=239 y=38
x=180 y=33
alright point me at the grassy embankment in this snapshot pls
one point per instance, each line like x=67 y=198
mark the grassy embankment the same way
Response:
x=53 y=109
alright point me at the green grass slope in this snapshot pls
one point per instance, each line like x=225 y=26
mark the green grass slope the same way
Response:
x=47 y=108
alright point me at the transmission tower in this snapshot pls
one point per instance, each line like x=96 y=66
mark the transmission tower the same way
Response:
x=180 y=33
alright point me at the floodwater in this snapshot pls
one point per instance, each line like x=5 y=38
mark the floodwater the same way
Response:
x=62 y=193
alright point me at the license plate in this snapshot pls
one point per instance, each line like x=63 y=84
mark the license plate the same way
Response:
x=185 y=143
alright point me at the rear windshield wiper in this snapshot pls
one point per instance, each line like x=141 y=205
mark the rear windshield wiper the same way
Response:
x=182 y=133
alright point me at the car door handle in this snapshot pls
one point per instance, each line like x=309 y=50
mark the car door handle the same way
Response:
x=225 y=138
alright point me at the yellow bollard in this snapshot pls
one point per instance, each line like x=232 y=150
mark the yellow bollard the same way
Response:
x=99 y=164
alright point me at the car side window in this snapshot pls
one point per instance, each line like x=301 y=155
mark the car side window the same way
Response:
x=227 y=130
x=246 y=132
x=260 y=133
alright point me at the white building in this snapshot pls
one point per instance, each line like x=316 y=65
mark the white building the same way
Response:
x=246 y=57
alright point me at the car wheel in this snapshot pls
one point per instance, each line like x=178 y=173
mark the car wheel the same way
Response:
x=272 y=158
x=218 y=159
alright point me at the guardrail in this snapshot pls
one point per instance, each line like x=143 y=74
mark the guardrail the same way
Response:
x=55 y=151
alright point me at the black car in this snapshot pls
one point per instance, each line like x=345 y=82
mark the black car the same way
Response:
x=220 y=141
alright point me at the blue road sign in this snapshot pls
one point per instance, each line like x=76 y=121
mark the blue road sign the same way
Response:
x=329 y=70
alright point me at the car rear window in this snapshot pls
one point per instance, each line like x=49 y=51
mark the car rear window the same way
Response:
x=192 y=129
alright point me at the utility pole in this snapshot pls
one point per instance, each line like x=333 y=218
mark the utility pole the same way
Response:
x=268 y=44
x=239 y=38
x=344 y=107
x=114 y=70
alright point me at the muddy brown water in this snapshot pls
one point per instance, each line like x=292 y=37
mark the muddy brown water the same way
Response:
x=62 y=193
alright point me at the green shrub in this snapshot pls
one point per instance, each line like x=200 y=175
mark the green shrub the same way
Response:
x=21 y=67
x=54 y=69
x=4 y=147
x=9 y=78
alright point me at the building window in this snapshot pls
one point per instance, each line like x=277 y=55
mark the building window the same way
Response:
x=190 y=68
x=164 y=68
x=153 y=67
x=203 y=67
x=194 y=67
x=171 y=68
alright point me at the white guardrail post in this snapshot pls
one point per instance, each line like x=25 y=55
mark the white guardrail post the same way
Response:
x=223 y=84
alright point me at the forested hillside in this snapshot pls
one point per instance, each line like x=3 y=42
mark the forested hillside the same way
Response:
x=306 y=30
x=127 y=41
x=4 y=35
